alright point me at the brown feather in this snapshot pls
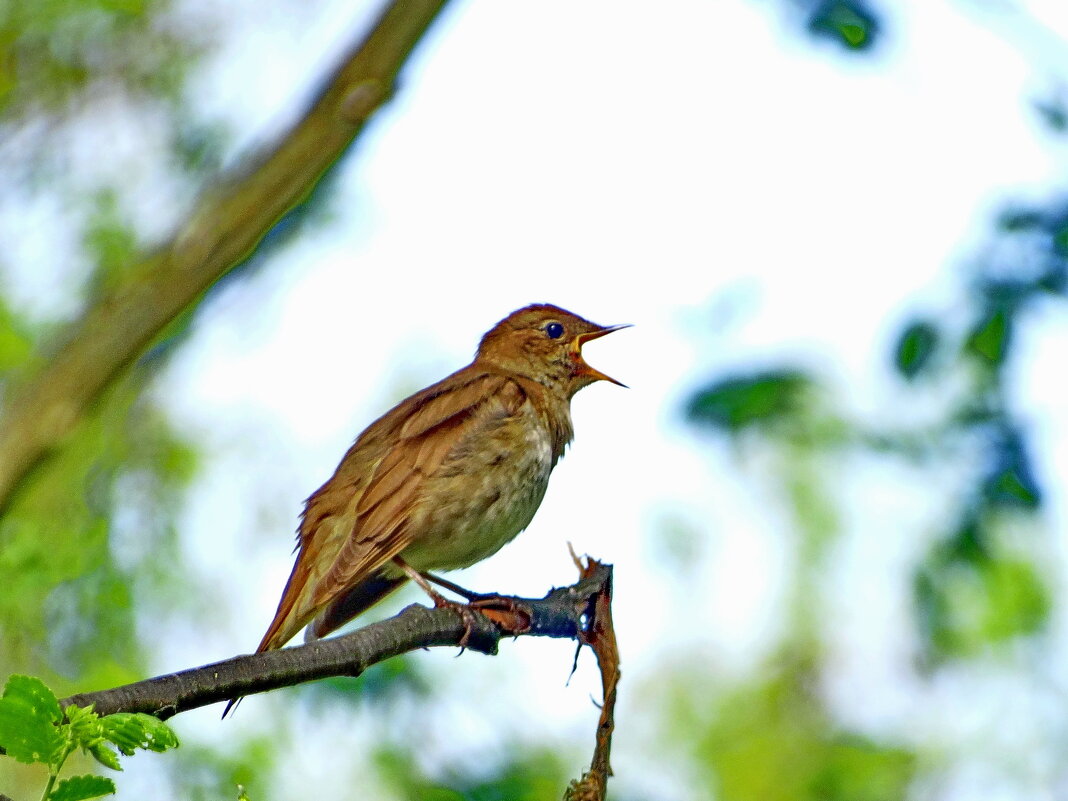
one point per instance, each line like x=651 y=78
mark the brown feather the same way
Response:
x=412 y=440
x=446 y=477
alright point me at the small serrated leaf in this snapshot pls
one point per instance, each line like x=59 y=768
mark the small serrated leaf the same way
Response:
x=129 y=731
x=158 y=735
x=124 y=730
x=105 y=756
x=86 y=729
x=28 y=714
x=79 y=788
x=35 y=693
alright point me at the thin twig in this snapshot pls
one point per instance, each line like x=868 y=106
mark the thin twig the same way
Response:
x=600 y=635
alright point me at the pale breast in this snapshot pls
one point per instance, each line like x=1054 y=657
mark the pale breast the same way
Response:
x=484 y=494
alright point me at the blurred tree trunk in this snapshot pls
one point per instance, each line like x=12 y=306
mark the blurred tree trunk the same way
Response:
x=229 y=222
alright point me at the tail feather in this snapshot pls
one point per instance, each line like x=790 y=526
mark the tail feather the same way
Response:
x=354 y=602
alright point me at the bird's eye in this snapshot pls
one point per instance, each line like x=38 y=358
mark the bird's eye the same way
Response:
x=554 y=330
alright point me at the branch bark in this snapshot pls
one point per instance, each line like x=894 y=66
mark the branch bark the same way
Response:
x=600 y=635
x=227 y=226
x=564 y=612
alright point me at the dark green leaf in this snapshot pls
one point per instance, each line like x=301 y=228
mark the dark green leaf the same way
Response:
x=1053 y=114
x=847 y=22
x=915 y=348
x=1014 y=220
x=989 y=338
x=740 y=401
x=78 y=788
x=1011 y=481
x=29 y=713
x=1060 y=241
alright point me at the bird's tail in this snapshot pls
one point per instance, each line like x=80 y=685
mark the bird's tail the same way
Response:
x=354 y=602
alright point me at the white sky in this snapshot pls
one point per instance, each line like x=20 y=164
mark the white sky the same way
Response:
x=703 y=171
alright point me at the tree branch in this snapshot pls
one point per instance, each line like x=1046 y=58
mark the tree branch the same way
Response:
x=600 y=635
x=564 y=612
x=224 y=230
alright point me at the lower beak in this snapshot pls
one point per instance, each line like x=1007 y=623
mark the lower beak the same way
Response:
x=584 y=369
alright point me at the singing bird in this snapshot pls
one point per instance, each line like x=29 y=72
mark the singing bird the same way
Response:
x=445 y=478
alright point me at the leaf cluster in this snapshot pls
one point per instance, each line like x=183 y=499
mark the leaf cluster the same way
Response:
x=33 y=729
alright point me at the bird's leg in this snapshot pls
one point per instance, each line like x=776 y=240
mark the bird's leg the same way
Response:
x=467 y=613
x=420 y=580
x=453 y=587
x=479 y=600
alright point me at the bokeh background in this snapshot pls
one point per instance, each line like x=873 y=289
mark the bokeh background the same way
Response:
x=834 y=494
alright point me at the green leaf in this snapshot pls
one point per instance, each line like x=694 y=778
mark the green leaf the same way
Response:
x=129 y=731
x=85 y=727
x=77 y=788
x=848 y=22
x=1060 y=241
x=989 y=339
x=105 y=756
x=915 y=348
x=737 y=402
x=29 y=713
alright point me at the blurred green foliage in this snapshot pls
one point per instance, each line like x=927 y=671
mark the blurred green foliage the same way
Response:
x=71 y=593
x=915 y=348
x=848 y=23
x=975 y=590
x=750 y=400
x=198 y=772
x=969 y=600
x=109 y=240
x=54 y=52
x=772 y=738
x=89 y=540
x=536 y=775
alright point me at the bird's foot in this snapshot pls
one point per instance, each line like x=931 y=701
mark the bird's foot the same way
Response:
x=467 y=614
x=467 y=611
x=502 y=610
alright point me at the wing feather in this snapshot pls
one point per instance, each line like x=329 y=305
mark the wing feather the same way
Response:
x=376 y=487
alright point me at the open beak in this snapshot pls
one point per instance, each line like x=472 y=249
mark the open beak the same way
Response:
x=584 y=369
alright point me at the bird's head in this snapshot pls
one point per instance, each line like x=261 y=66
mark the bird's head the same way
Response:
x=544 y=343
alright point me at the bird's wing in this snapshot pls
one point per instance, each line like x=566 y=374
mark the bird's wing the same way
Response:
x=424 y=441
x=358 y=521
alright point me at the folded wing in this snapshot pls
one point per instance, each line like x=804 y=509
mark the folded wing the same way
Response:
x=361 y=518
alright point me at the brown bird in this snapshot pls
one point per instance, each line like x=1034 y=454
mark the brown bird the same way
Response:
x=445 y=478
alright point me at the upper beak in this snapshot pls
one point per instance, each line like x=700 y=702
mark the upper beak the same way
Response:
x=585 y=369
